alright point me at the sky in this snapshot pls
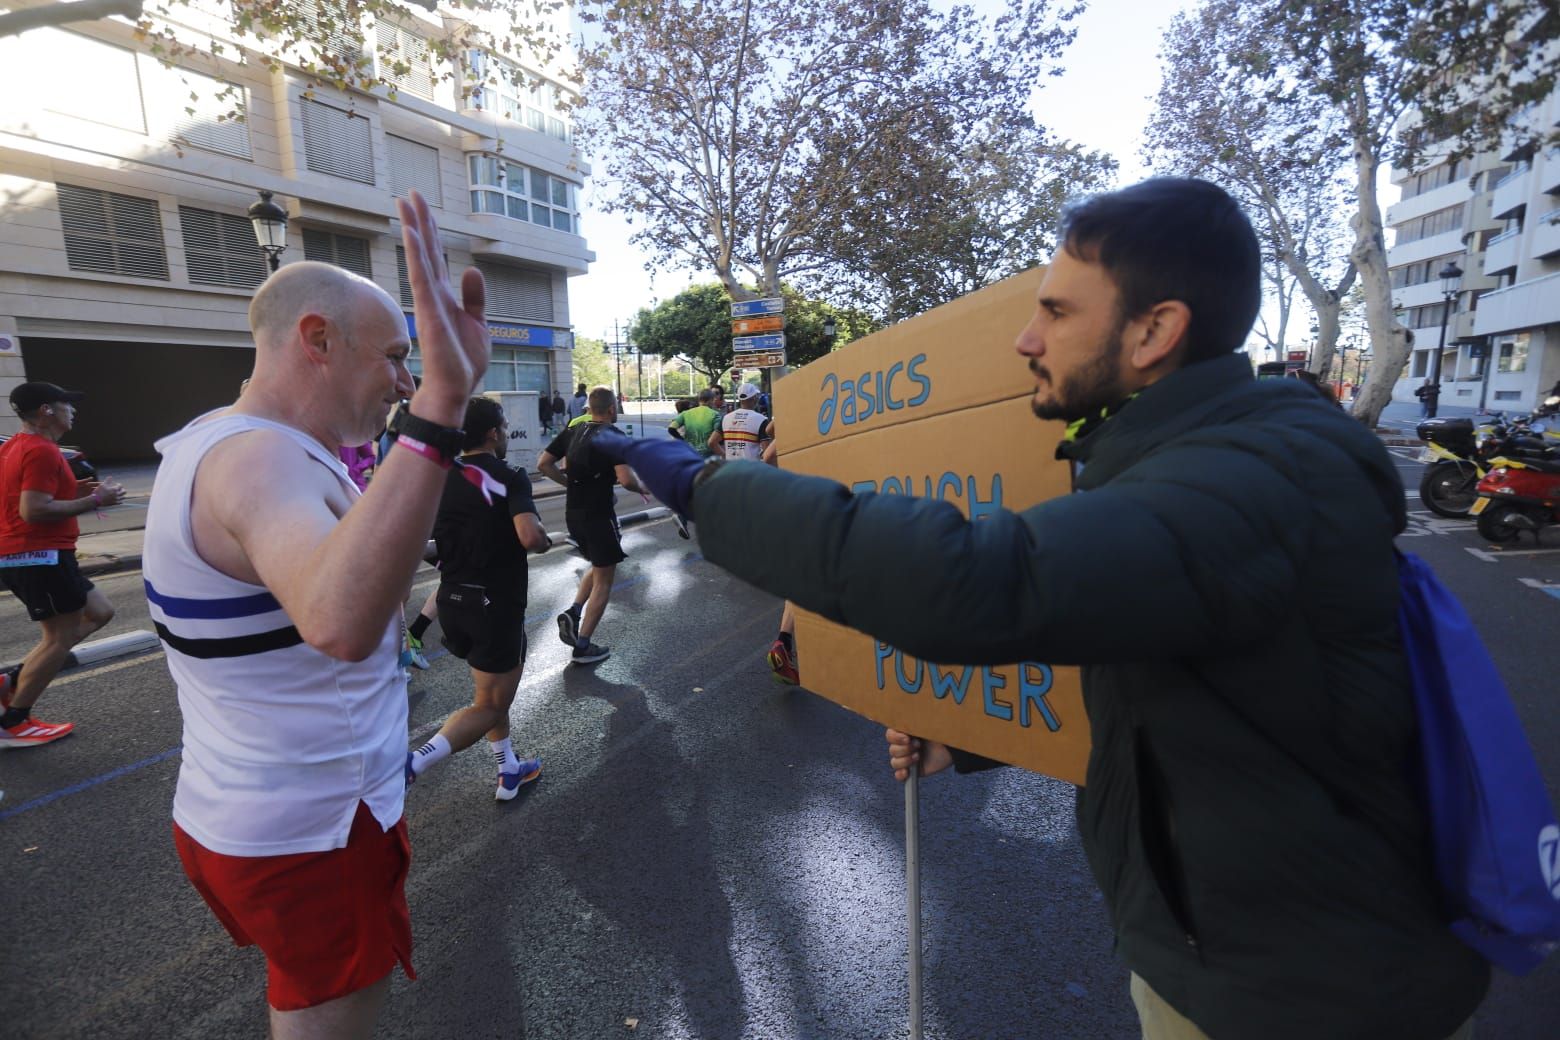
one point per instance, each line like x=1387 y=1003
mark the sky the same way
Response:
x=1102 y=102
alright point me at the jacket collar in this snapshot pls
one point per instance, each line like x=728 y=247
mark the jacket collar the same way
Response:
x=1179 y=402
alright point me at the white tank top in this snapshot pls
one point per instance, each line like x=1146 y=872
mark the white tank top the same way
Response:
x=281 y=742
x=740 y=433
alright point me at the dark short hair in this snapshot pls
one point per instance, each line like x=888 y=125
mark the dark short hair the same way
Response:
x=1175 y=238
x=706 y=395
x=601 y=400
x=482 y=414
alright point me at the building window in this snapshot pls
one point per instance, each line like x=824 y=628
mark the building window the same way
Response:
x=332 y=23
x=1421 y=272
x=197 y=110
x=1508 y=395
x=404 y=59
x=1439 y=222
x=1436 y=177
x=512 y=368
x=1512 y=353
x=523 y=193
x=43 y=70
x=403 y=279
x=516 y=293
x=220 y=249
x=414 y=167
x=519 y=96
x=336 y=141
x=1421 y=364
x=341 y=250
x=111 y=233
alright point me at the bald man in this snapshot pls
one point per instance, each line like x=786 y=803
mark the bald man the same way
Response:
x=277 y=589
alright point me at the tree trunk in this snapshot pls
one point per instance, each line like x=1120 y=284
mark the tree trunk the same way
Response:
x=1388 y=339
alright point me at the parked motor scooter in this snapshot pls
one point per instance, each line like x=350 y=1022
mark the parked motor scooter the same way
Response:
x=1520 y=493
x=1458 y=454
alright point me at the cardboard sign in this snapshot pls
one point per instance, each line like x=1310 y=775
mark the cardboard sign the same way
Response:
x=937 y=406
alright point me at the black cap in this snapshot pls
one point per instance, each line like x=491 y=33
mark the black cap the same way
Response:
x=29 y=397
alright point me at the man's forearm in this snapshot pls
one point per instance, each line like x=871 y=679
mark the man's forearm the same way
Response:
x=550 y=470
x=59 y=509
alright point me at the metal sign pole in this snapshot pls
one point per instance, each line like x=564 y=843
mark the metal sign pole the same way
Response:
x=913 y=893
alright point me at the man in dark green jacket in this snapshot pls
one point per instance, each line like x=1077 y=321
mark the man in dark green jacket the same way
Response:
x=1226 y=579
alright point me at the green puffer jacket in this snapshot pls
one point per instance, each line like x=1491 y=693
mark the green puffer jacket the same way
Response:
x=1226 y=579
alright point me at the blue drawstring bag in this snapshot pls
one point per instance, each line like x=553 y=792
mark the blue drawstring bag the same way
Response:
x=1496 y=842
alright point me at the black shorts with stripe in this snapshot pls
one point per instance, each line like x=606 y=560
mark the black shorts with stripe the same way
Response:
x=49 y=590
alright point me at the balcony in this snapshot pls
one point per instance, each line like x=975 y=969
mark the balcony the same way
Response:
x=1426 y=248
x=1421 y=295
x=1511 y=194
x=1503 y=252
x=1522 y=306
x=1546 y=236
x=1432 y=200
x=1549 y=172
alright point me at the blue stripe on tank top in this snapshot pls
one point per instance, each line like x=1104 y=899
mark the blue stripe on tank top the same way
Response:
x=213 y=609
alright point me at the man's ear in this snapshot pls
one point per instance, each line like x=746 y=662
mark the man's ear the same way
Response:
x=313 y=333
x=1157 y=337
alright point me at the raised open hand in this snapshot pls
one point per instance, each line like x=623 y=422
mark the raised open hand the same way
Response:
x=452 y=334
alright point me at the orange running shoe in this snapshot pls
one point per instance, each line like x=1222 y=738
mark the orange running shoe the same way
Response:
x=32 y=732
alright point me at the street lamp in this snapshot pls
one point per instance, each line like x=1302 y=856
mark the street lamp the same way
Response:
x=270 y=221
x=1450 y=276
x=828 y=329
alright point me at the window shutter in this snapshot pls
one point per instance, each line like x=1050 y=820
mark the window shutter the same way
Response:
x=220 y=249
x=341 y=250
x=395 y=45
x=514 y=293
x=337 y=142
x=111 y=233
x=403 y=278
x=194 y=108
x=414 y=166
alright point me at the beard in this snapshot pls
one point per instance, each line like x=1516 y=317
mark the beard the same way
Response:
x=1089 y=390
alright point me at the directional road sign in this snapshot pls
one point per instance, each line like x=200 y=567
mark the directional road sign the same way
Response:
x=763 y=359
x=749 y=326
x=756 y=308
x=746 y=344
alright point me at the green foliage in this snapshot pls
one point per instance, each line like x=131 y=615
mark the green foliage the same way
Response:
x=696 y=325
x=774 y=142
x=592 y=364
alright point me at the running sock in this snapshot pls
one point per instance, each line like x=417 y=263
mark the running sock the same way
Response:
x=430 y=754
x=14 y=717
x=504 y=754
x=789 y=641
x=420 y=626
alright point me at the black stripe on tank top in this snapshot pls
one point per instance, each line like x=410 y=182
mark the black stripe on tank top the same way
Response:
x=233 y=646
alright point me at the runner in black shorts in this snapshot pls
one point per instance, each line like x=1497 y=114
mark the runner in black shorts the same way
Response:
x=487 y=520
x=592 y=520
x=40 y=499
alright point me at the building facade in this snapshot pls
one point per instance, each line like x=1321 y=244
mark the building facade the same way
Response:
x=1497 y=217
x=127 y=260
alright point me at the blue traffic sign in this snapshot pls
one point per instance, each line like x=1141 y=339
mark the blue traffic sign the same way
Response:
x=749 y=308
x=745 y=344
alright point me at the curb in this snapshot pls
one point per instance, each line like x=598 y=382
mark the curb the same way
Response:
x=106 y=649
x=106 y=564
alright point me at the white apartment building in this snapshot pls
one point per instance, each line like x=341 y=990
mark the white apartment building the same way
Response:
x=127 y=260
x=1497 y=217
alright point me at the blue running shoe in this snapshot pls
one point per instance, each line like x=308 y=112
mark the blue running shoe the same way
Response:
x=509 y=784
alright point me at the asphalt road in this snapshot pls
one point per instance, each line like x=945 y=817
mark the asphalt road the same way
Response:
x=707 y=855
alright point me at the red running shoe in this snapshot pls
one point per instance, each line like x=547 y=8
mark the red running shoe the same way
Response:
x=783 y=664
x=32 y=732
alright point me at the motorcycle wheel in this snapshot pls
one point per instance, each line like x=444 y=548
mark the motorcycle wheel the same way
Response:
x=1449 y=488
x=1493 y=528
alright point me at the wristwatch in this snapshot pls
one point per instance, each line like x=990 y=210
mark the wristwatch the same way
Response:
x=446 y=440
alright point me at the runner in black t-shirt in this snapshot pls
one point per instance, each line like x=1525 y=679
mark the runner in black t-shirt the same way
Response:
x=592 y=521
x=483 y=534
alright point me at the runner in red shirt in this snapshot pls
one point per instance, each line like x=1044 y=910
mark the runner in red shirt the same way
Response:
x=39 y=501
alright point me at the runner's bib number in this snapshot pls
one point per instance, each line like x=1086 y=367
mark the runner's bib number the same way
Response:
x=34 y=558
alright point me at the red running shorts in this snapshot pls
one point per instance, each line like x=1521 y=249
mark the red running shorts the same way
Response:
x=329 y=923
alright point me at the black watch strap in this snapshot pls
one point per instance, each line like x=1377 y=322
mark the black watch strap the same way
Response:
x=446 y=440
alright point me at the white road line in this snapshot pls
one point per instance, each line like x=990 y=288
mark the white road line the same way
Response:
x=1481 y=554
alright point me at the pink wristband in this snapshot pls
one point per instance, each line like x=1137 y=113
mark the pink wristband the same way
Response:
x=428 y=452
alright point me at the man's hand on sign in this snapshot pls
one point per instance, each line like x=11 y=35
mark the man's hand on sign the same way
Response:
x=903 y=750
x=452 y=334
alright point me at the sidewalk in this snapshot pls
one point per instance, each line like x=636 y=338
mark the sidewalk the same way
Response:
x=111 y=538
